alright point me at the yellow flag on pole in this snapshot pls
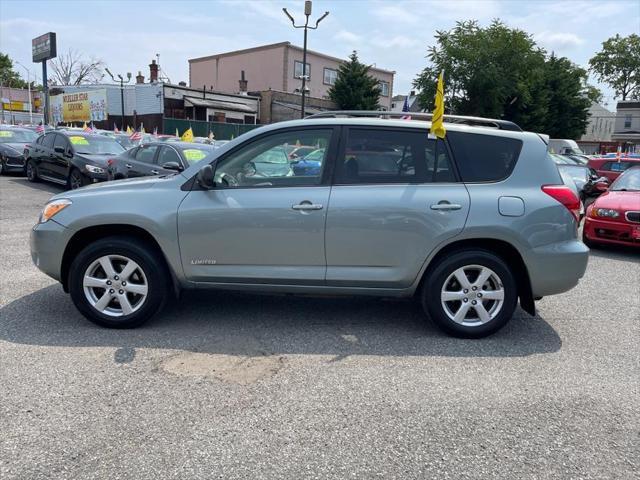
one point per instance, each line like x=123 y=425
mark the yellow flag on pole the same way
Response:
x=129 y=131
x=187 y=136
x=437 y=120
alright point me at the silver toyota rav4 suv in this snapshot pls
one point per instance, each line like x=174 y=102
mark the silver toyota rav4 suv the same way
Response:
x=468 y=225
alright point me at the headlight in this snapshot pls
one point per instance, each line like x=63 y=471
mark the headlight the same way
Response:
x=605 y=213
x=93 y=169
x=52 y=208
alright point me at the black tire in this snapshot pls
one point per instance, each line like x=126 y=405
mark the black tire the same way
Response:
x=151 y=263
x=437 y=276
x=31 y=171
x=76 y=179
x=2 y=170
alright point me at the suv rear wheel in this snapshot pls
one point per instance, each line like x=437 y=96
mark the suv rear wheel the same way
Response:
x=118 y=282
x=470 y=294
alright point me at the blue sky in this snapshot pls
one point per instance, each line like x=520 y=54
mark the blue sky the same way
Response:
x=391 y=34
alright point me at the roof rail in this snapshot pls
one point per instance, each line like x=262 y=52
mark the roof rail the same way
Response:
x=473 y=121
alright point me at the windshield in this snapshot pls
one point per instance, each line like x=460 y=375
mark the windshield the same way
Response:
x=628 y=181
x=316 y=155
x=95 y=145
x=198 y=152
x=17 y=136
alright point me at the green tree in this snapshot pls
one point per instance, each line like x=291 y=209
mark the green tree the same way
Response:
x=618 y=65
x=500 y=72
x=8 y=76
x=354 y=88
x=567 y=101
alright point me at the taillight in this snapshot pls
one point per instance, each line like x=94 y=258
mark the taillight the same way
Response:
x=566 y=197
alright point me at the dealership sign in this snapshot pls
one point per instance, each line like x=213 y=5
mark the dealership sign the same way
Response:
x=88 y=106
x=43 y=47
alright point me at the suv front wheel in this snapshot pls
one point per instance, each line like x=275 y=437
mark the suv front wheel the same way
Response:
x=470 y=294
x=118 y=282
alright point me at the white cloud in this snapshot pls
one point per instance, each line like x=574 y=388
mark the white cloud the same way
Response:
x=348 y=37
x=400 y=13
x=398 y=41
x=558 y=40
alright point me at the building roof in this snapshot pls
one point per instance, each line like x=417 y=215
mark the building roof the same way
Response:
x=277 y=45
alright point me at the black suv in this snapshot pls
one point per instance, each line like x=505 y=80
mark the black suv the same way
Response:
x=70 y=158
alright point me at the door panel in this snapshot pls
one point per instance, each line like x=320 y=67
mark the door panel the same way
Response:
x=254 y=235
x=395 y=199
x=380 y=236
x=262 y=223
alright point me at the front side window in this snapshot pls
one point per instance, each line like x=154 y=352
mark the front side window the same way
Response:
x=146 y=153
x=393 y=156
x=297 y=70
x=266 y=162
x=484 y=158
x=168 y=154
x=384 y=89
x=330 y=76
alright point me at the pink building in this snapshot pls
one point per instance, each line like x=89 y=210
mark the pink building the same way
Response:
x=277 y=67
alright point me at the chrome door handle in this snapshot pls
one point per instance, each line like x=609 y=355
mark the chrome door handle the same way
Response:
x=128 y=165
x=155 y=172
x=307 y=206
x=446 y=206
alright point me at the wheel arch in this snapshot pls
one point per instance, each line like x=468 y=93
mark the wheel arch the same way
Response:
x=85 y=236
x=502 y=249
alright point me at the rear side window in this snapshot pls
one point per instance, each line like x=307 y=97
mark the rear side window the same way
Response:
x=48 y=139
x=393 y=156
x=484 y=158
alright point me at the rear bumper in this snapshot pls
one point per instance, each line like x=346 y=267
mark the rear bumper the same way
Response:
x=557 y=267
x=617 y=233
x=48 y=241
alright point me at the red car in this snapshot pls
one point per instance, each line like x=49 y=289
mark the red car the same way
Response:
x=615 y=216
x=611 y=167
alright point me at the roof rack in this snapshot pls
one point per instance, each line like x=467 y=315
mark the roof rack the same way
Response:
x=473 y=121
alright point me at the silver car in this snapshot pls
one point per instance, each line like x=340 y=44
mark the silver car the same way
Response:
x=468 y=225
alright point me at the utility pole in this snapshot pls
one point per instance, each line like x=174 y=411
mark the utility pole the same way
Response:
x=305 y=74
x=122 y=82
x=29 y=89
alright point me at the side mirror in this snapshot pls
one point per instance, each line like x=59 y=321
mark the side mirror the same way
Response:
x=172 y=166
x=205 y=177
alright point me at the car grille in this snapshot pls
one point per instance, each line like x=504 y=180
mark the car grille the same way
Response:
x=632 y=217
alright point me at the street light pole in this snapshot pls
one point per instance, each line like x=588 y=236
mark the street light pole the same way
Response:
x=29 y=89
x=122 y=82
x=305 y=74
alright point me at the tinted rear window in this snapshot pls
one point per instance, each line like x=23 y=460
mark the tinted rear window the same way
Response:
x=484 y=158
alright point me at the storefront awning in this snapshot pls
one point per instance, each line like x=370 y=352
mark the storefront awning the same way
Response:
x=218 y=105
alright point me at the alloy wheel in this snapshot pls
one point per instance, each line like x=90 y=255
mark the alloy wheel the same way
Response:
x=472 y=295
x=75 y=180
x=115 y=285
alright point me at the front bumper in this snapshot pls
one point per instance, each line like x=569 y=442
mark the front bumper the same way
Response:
x=13 y=164
x=557 y=267
x=48 y=241
x=606 y=231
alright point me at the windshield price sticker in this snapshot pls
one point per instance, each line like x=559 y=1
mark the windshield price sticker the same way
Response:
x=193 y=154
x=78 y=141
x=6 y=133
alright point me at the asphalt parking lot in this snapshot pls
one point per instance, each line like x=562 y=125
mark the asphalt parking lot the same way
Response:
x=225 y=385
